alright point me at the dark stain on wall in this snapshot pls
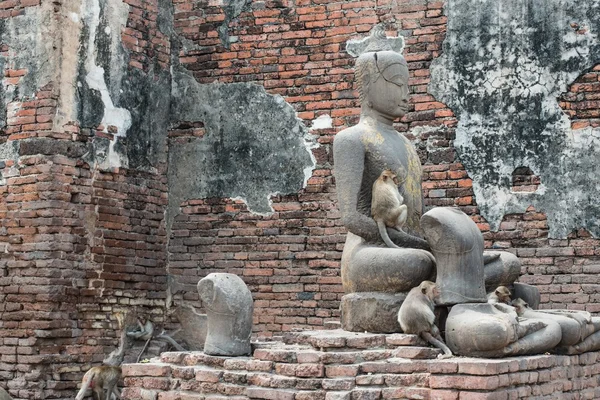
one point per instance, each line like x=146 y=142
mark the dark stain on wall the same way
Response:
x=254 y=145
x=504 y=65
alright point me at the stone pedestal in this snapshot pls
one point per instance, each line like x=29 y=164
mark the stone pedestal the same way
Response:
x=349 y=365
x=371 y=312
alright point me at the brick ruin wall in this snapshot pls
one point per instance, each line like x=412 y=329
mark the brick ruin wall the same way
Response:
x=82 y=241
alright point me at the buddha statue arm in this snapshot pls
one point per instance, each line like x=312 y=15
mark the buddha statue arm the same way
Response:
x=403 y=239
x=349 y=157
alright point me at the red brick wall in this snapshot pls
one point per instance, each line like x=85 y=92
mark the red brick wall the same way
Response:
x=80 y=244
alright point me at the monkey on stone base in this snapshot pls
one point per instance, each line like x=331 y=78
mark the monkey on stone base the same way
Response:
x=416 y=315
x=500 y=295
x=103 y=382
x=387 y=208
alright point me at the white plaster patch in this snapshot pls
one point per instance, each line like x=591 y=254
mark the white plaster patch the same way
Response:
x=355 y=47
x=310 y=143
x=323 y=121
x=507 y=105
x=113 y=116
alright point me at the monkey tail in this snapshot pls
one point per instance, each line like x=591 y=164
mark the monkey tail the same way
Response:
x=437 y=343
x=87 y=380
x=384 y=235
x=170 y=340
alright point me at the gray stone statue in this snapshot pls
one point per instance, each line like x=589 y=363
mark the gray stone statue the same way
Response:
x=486 y=330
x=580 y=332
x=372 y=272
x=376 y=277
x=229 y=308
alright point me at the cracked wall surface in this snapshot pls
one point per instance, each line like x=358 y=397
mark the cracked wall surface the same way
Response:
x=254 y=145
x=127 y=103
x=504 y=64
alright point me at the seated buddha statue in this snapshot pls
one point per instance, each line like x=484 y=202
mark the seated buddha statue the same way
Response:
x=361 y=153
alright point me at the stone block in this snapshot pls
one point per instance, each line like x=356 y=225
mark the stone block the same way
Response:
x=366 y=394
x=270 y=394
x=416 y=352
x=336 y=371
x=371 y=312
x=337 y=396
x=403 y=339
x=530 y=294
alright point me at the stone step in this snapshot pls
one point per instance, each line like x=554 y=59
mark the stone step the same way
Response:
x=333 y=340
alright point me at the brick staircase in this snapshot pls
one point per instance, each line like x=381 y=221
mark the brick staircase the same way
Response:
x=339 y=365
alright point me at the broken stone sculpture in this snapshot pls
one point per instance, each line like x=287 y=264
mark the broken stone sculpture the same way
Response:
x=229 y=308
x=361 y=153
x=579 y=330
x=473 y=327
x=494 y=330
x=484 y=330
x=4 y=395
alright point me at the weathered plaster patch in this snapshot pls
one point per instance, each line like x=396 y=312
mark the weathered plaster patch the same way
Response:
x=232 y=10
x=9 y=151
x=504 y=64
x=322 y=122
x=355 y=47
x=28 y=48
x=254 y=145
x=96 y=79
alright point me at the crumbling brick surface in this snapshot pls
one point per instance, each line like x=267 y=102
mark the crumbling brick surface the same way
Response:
x=80 y=245
x=297 y=370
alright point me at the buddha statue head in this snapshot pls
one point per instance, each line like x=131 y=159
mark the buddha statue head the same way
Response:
x=382 y=78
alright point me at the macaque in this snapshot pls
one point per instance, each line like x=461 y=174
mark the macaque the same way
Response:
x=103 y=382
x=520 y=306
x=145 y=332
x=500 y=295
x=416 y=315
x=387 y=208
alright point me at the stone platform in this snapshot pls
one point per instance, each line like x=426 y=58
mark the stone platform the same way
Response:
x=336 y=365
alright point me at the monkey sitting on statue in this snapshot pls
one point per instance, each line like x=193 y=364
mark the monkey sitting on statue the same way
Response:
x=416 y=315
x=387 y=208
x=500 y=295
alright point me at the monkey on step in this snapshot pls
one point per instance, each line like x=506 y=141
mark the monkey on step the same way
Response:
x=103 y=382
x=387 y=208
x=416 y=315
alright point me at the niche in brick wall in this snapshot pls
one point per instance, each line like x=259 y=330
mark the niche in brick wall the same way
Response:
x=524 y=180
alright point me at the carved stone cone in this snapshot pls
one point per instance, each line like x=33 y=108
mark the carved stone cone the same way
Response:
x=229 y=308
x=457 y=245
